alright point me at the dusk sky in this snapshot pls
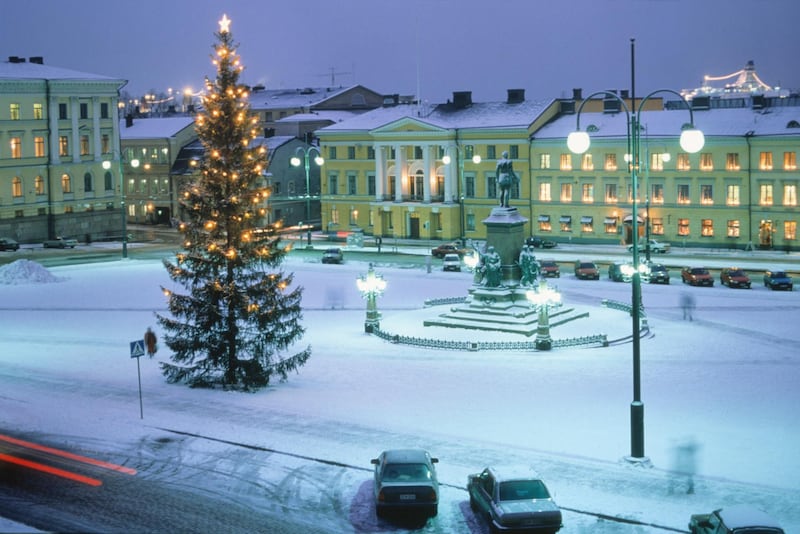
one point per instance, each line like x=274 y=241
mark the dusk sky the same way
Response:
x=425 y=47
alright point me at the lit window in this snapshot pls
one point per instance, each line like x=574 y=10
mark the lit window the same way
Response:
x=587 y=193
x=566 y=192
x=63 y=145
x=732 y=195
x=765 y=194
x=565 y=222
x=683 y=227
x=566 y=162
x=790 y=230
x=38 y=146
x=706 y=162
x=656 y=162
x=84 y=145
x=545 y=194
x=683 y=162
x=683 y=194
x=38 y=185
x=657 y=193
x=16 y=187
x=544 y=161
x=706 y=194
x=611 y=162
x=105 y=144
x=790 y=195
x=587 y=225
x=14 y=112
x=586 y=163
x=66 y=183
x=610 y=224
x=657 y=226
x=765 y=161
x=707 y=228
x=16 y=147
x=732 y=161
x=733 y=228
x=38 y=113
x=790 y=161
x=611 y=193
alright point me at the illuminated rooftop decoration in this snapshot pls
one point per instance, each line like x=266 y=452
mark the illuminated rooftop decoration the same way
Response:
x=747 y=82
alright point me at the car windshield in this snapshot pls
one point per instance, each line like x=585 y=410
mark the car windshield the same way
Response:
x=587 y=266
x=657 y=268
x=735 y=272
x=779 y=274
x=521 y=490
x=406 y=473
x=699 y=271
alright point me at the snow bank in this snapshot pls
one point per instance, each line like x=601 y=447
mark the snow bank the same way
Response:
x=26 y=272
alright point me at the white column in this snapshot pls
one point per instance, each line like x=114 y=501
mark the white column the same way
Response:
x=52 y=119
x=380 y=172
x=399 y=172
x=97 y=149
x=430 y=174
x=451 y=175
x=76 y=134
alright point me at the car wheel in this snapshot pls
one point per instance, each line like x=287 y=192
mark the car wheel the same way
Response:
x=380 y=512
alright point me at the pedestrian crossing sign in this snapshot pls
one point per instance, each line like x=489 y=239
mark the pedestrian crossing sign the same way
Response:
x=137 y=348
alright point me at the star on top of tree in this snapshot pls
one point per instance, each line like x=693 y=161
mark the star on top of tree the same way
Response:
x=224 y=24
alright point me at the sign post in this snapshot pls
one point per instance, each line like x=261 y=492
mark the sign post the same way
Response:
x=137 y=351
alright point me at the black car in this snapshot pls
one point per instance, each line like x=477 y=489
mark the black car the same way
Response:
x=333 y=255
x=620 y=272
x=538 y=242
x=8 y=244
x=736 y=519
x=778 y=280
x=405 y=482
x=659 y=274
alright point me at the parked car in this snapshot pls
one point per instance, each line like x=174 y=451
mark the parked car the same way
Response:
x=586 y=270
x=549 y=269
x=333 y=255
x=696 y=276
x=734 y=277
x=405 y=481
x=508 y=502
x=8 y=244
x=60 y=242
x=659 y=274
x=448 y=248
x=655 y=246
x=778 y=280
x=451 y=262
x=736 y=519
x=620 y=271
x=538 y=242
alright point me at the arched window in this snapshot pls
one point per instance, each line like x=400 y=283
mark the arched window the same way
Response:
x=66 y=183
x=109 y=181
x=38 y=185
x=793 y=124
x=87 y=182
x=16 y=187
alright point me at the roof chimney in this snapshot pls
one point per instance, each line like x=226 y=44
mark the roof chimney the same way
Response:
x=39 y=60
x=462 y=99
x=128 y=120
x=515 y=96
x=16 y=59
x=577 y=93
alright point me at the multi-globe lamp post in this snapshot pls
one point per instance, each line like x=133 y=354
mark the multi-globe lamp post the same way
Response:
x=306 y=161
x=691 y=141
x=543 y=298
x=371 y=286
x=134 y=163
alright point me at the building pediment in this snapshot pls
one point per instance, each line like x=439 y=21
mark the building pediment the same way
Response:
x=407 y=124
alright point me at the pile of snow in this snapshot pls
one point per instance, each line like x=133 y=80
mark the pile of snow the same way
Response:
x=26 y=272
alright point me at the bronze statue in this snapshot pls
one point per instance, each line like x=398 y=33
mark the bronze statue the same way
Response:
x=505 y=178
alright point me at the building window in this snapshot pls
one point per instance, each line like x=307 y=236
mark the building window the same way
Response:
x=656 y=162
x=351 y=184
x=290 y=188
x=566 y=192
x=683 y=162
x=565 y=223
x=587 y=193
x=38 y=112
x=790 y=161
x=84 y=145
x=683 y=194
x=351 y=153
x=610 y=224
x=706 y=194
x=765 y=194
x=333 y=184
x=611 y=194
x=657 y=193
x=84 y=110
x=87 y=182
x=371 y=152
x=62 y=111
x=545 y=195
x=732 y=195
x=790 y=230
x=63 y=145
x=38 y=146
x=733 y=228
x=491 y=187
x=105 y=144
x=610 y=162
x=586 y=162
x=38 y=185
x=331 y=152
x=470 y=222
x=66 y=183
x=103 y=110
x=765 y=161
x=732 y=161
x=707 y=228
x=371 y=185
x=790 y=194
x=706 y=161
x=587 y=225
x=657 y=226
x=14 y=112
x=491 y=152
x=544 y=223
x=132 y=186
x=544 y=161
x=108 y=180
x=566 y=162
x=469 y=186
x=16 y=147
x=16 y=187
x=513 y=151
x=353 y=217
x=335 y=217
x=683 y=227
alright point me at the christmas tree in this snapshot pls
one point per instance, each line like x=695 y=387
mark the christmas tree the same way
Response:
x=240 y=314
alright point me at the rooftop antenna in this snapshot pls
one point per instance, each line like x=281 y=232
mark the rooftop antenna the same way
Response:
x=333 y=74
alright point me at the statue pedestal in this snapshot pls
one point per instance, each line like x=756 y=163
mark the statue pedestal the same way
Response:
x=505 y=231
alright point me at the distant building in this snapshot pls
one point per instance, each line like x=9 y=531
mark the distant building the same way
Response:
x=57 y=128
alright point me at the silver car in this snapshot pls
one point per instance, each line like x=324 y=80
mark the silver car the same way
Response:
x=405 y=482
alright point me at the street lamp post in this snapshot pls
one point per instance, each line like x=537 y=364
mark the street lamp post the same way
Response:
x=371 y=286
x=544 y=298
x=691 y=141
x=295 y=161
x=135 y=164
x=476 y=159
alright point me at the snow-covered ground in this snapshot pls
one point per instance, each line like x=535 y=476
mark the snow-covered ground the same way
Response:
x=726 y=381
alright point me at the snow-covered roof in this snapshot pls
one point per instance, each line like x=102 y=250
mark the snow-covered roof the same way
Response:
x=25 y=70
x=292 y=98
x=332 y=115
x=448 y=116
x=152 y=128
x=668 y=123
